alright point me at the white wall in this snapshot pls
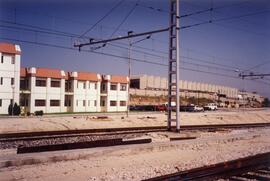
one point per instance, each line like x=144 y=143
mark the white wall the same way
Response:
x=116 y=95
x=89 y=95
x=8 y=71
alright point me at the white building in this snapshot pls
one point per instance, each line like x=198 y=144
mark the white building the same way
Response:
x=53 y=90
x=43 y=89
x=9 y=75
x=114 y=93
x=85 y=92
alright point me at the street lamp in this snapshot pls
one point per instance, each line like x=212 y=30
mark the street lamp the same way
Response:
x=129 y=64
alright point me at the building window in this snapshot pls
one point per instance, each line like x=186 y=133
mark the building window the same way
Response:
x=24 y=84
x=123 y=87
x=67 y=86
x=84 y=85
x=1 y=81
x=113 y=103
x=102 y=103
x=103 y=87
x=12 y=81
x=2 y=59
x=13 y=60
x=95 y=86
x=0 y=102
x=83 y=103
x=113 y=86
x=95 y=103
x=40 y=102
x=88 y=102
x=67 y=101
x=123 y=103
x=77 y=102
x=40 y=83
x=55 y=83
x=54 y=103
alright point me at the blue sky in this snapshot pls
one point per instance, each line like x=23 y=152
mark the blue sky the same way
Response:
x=218 y=48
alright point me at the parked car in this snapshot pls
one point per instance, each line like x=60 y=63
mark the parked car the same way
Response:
x=198 y=109
x=161 y=108
x=211 y=107
x=187 y=108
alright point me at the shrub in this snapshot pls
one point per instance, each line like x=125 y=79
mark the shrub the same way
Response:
x=16 y=109
x=39 y=113
x=10 y=109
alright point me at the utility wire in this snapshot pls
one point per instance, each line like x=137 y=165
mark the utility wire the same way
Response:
x=102 y=18
x=122 y=58
x=125 y=18
x=221 y=7
x=196 y=13
x=147 y=53
x=256 y=66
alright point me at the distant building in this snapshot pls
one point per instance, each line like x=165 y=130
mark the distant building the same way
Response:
x=147 y=85
x=9 y=75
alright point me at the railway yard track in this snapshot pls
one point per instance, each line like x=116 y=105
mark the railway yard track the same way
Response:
x=125 y=130
x=27 y=142
x=255 y=167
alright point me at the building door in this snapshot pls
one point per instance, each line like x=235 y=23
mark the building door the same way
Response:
x=103 y=104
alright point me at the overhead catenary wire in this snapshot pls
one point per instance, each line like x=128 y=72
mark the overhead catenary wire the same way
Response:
x=102 y=18
x=229 y=68
x=124 y=19
x=121 y=58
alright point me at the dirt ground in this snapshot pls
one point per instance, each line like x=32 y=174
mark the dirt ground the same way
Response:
x=60 y=122
x=127 y=163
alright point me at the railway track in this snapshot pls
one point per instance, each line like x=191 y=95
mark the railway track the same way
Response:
x=252 y=167
x=114 y=131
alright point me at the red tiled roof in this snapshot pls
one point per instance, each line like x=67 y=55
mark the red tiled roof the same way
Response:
x=49 y=73
x=119 y=79
x=23 y=72
x=8 y=48
x=87 y=76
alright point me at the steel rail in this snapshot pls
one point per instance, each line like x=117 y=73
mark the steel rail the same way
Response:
x=126 y=130
x=221 y=170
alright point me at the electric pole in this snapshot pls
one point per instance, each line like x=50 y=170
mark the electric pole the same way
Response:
x=173 y=71
x=173 y=60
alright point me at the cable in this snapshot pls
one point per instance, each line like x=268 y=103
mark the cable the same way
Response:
x=200 y=60
x=196 y=13
x=102 y=18
x=241 y=16
x=225 y=69
x=216 y=8
x=181 y=16
x=135 y=46
x=113 y=55
x=258 y=65
x=162 y=57
x=125 y=18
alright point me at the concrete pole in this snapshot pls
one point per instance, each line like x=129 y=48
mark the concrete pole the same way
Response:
x=129 y=75
x=177 y=67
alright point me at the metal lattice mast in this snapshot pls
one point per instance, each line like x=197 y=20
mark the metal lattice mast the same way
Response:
x=173 y=72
